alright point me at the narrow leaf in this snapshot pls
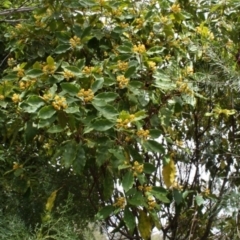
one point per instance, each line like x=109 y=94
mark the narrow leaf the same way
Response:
x=50 y=201
x=169 y=172
x=129 y=219
x=144 y=225
x=127 y=181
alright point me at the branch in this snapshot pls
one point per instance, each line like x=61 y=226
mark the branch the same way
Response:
x=17 y=10
x=12 y=21
x=4 y=59
x=214 y=212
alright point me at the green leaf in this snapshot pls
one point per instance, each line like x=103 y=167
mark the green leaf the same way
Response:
x=37 y=65
x=160 y=193
x=135 y=84
x=160 y=197
x=163 y=81
x=143 y=98
x=137 y=200
x=46 y=112
x=69 y=153
x=134 y=153
x=33 y=104
x=127 y=181
x=105 y=212
x=199 y=200
x=124 y=166
x=50 y=201
x=46 y=122
x=81 y=63
x=124 y=49
x=155 y=50
x=50 y=61
x=55 y=129
x=108 y=186
x=69 y=88
x=129 y=219
x=154 y=133
x=118 y=154
x=73 y=69
x=153 y=146
x=74 y=109
x=177 y=196
x=10 y=77
x=35 y=101
x=33 y=73
x=102 y=155
x=52 y=90
x=30 y=132
x=141 y=178
x=62 y=48
x=102 y=125
x=86 y=32
x=140 y=115
x=18 y=172
x=56 y=78
x=106 y=96
x=80 y=160
x=108 y=111
x=155 y=219
x=62 y=119
x=131 y=70
x=149 y=168
x=98 y=84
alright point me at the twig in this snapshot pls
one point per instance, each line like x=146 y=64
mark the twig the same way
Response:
x=17 y=10
x=4 y=59
x=192 y=225
x=12 y=21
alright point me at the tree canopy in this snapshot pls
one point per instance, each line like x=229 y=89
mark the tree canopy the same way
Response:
x=129 y=109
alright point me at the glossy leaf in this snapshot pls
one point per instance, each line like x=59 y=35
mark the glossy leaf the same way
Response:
x=70 y=88
x=104 y=212
x=61 y=48
x=127 y=181
x=169 y=173
x=102 y=125
x=46 y=112
x=129 y=219
x=130 y=71
x=80 y=160
x=144 y=225
x=106 y=96
x=154 y=146
x=149 y=168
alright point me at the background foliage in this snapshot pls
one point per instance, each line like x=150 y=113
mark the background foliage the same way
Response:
x=128 y=108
